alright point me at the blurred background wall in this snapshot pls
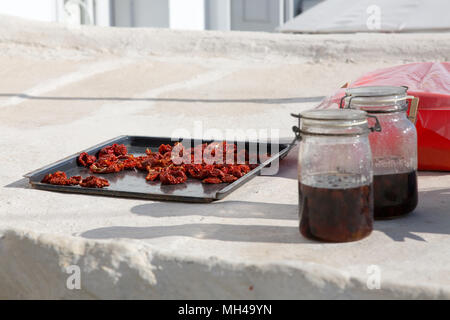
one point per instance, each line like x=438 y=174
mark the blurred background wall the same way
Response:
x=246 y=15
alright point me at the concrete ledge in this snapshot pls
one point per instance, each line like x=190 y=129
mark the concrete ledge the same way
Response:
x=235 y=45
x=38 y=269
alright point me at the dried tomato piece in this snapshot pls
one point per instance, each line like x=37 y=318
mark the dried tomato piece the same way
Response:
x=113 y=168
x=74 y=180
x=212 y=180
x=107 y=159
x=129 y=162
x=197 y=172
x=105 y=151
x=106 y=166
x=240 y=170
x=216 y=173
x=140 y=165
x=120 y=149
x=244 y=168
x=172 y=176
x=94 y=182
x=115 y=149
x=229 y=178
x=164 y=148
x=86 y=160
x=153 y=160
x=108 y=163
x=153 y=173
x=60 y=178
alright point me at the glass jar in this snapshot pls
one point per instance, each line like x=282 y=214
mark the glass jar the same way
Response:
x=394 y=150
x=334 y=175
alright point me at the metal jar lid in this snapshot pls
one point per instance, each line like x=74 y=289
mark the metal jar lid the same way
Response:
x=378 y=96
x=334 y=122
x=381 y=99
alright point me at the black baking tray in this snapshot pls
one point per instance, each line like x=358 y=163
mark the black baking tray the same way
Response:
x=132 y=184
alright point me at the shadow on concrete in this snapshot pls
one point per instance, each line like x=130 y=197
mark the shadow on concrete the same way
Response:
x=432 y=215
x=226 y=209
x=263 y=101
x=21 y=183
x=212 y=231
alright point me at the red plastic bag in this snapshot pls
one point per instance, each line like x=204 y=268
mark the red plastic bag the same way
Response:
x=430 y=82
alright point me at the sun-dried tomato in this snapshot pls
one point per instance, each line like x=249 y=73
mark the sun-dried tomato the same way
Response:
x=106 y=166
x=53 y=176
x=129 y=162
x=115 y=149
x=197 y=172
x=229 y=178
x=216 y=173
x=212 y=180
x=94 y=182
x=153 y=173
x=86 y=160
x=60 y=178
x=172 y=176
x=164 y=148
x=108 y=163
x=113 y=168
x=74 y=180
x=108 y=158
x=140 y=165
x=239 y=170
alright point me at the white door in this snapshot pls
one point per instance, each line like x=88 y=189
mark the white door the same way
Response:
x=256 y=15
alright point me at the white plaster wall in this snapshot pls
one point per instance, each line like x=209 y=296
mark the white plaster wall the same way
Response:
x=187 y=15
x=42 y=10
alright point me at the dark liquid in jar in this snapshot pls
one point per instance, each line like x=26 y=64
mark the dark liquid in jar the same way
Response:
x=395 y=194
x=334 y=211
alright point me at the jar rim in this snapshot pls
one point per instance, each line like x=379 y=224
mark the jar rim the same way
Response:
x=333 y=122
x=376 y=99
x=334 y=115
x=376 y=91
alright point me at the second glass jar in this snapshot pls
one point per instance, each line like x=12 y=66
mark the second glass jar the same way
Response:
x=394 y=149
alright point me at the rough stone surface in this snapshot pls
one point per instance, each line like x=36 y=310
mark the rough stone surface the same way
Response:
x=64 y=90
